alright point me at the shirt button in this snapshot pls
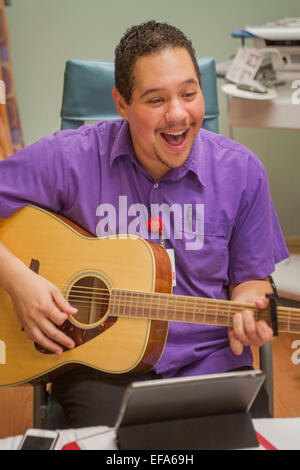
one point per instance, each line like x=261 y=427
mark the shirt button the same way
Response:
x=155 y=185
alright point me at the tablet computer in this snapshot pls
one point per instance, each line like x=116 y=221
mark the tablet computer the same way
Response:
x=189 y=397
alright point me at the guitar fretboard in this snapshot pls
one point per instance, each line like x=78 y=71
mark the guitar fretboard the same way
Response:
x=170 y=307
x=179 y=308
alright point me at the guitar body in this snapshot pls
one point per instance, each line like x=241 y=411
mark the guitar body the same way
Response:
x=72 y=259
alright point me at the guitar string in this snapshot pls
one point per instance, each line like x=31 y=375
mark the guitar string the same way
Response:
x=154 y=295
x=209 y=318
x=284 y=314
x=209 y=311
x=154 y=304
x=286 y=311
x=137 y=300
x=161 y=294
x=143 y=301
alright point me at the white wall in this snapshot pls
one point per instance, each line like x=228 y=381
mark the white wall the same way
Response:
x=45 y=33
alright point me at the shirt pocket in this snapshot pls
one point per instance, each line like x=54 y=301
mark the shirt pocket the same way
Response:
x=207 y=250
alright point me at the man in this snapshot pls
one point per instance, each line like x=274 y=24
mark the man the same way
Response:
x=224 y=235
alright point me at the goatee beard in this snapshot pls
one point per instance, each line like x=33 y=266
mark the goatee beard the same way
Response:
x=166 y=164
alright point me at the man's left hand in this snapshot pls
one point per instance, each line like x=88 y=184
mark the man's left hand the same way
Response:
x=247 y=331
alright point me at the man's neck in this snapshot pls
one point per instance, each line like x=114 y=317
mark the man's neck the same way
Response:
x=156 y=170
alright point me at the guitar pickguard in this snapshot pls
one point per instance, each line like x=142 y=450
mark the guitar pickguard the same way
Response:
x=80 y=335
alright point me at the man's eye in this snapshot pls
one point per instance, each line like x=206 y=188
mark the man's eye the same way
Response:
x=190 y=94
x=155 y=101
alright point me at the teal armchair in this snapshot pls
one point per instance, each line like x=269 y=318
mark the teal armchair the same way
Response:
x=88 y=85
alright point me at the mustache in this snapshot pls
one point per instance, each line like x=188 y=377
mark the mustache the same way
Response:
x=173 y=125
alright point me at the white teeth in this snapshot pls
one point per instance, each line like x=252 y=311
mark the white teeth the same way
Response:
x=175 y=133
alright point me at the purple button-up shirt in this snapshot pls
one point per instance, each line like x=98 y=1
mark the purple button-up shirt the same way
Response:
x=216 y=211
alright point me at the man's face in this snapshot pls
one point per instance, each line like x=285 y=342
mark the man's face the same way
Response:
x=166 y=109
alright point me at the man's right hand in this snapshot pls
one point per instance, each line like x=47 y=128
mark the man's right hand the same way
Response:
x=39 y=304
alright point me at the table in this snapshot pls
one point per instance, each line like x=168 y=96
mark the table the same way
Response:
x=273 y=434
x=283 y=112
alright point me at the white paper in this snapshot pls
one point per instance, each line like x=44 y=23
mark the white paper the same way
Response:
x=285 y=29
x=245 y=65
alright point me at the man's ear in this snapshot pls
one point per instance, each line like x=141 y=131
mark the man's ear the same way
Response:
x=120 y=103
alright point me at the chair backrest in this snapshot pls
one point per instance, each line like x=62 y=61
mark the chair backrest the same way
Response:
x=88 y=85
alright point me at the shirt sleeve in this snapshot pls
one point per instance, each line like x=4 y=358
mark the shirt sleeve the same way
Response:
x=256 y=243
x=37 y=174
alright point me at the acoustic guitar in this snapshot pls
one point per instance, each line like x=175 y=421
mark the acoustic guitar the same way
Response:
x=122 y=288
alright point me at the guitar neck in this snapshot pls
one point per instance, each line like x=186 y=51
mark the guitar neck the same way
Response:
x=179 y=308
x=170 y=307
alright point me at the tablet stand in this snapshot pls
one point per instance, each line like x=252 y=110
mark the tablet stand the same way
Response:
x=227 y=431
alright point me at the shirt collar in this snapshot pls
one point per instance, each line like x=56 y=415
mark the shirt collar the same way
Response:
x=122 y=146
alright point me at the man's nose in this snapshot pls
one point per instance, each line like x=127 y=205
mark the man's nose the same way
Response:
x=176 y=111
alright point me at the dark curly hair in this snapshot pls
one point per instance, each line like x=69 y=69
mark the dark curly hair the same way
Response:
x=141 y=40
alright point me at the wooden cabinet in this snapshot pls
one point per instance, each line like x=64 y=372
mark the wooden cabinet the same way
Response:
x=286 y=376
x=16 y=410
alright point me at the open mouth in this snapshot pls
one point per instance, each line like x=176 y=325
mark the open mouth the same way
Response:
x=175 y=139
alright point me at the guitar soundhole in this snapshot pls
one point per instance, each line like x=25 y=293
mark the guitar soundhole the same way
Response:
x=90 y=296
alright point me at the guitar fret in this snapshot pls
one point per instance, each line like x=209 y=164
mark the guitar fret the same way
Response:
x=216 y=314
x=157 y=309
x=166 y=309
x=161 y=307
x=169 y=308
x=130 y=303
x=143 y=304
x=136 y=305
x=204 y=317
x=124 y=303
x=119 y=305
x=197 y=311
x=175 y=308
x=190 y=311
x=112 y=301
x=228 y=315
x=194 y=312
x=150 y=308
